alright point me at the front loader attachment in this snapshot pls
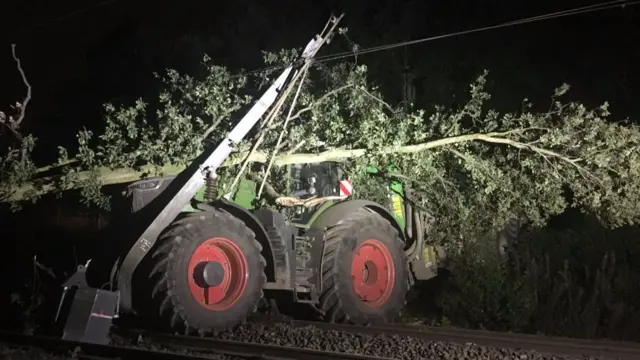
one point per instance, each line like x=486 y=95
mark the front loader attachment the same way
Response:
x=88 y=311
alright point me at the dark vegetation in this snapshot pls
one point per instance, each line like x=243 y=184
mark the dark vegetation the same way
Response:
x=573 y=278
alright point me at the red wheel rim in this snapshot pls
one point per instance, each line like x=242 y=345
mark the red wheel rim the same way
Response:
x=234 y=281
x=372 y=273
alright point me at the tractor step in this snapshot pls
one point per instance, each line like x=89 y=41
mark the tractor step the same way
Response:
x=304 y=295
x=303 y=292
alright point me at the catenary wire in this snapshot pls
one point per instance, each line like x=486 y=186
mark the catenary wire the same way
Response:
x=331 y=57
x=577 y=11
x=558 y=14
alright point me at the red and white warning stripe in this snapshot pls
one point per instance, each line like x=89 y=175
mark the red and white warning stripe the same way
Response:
x=346 y=188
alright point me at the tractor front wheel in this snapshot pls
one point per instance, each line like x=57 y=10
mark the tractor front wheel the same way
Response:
x=365 y=275
x=208 y=272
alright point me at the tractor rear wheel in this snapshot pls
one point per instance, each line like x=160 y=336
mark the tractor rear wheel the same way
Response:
x=208 y=272
x=365 y=277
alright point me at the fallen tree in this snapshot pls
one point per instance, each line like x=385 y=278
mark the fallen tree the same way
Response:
x=470 y=167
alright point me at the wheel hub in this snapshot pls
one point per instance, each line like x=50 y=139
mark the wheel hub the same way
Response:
x=218 y=274
x=372 y=273
x=209 y=274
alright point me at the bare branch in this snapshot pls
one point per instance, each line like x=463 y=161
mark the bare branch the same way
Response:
x=268 y=189
x=25 y=102
x=9 y=126
x=11 y=122
x=297 y=147
x=217 y=122
x=386 y=105
x=319 y=101
x=325 y=97
x=56 y=165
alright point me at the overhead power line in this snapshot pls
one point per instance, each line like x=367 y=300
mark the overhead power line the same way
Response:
x=341 y=55
x=558 y=14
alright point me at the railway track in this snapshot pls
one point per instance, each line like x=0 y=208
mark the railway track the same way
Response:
x=551 y=346
x=142 y=344
x=538 y=343
x=149 y=346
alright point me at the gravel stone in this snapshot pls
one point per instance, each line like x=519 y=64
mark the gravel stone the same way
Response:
x=12 y=352
x=185 y=351
x=310 y=337
x=389 y=346
x=137 y=344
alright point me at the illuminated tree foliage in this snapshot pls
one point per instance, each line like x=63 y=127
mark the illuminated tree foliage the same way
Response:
x=471 y=168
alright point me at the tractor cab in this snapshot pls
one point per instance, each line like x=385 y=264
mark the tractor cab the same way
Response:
x=312 y=186
x=305 y=182
x=314 y=180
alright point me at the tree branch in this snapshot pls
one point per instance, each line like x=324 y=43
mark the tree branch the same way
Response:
x=107 y=176
x=302 y=111
x=27 y=98
x=217 y=122
x=219 y=119
x=110 y=177
x=268 y=189
x=13 y=124
x=56 y=165
x=382 y=102
x=212 y=128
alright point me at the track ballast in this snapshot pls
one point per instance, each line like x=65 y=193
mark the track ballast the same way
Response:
x=268 y=338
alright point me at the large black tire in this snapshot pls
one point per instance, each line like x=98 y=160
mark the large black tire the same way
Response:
x=339 y=300
x=171 y=272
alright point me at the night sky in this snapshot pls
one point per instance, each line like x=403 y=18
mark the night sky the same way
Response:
x=80 y=54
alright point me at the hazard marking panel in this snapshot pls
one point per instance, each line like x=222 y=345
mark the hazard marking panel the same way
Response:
x=346 y=188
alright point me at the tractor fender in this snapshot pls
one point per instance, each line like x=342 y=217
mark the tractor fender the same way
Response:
x=254 y=224
x=334 y=214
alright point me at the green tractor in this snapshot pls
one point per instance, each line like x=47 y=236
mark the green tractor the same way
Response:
x=205 y=261
x=350 y=260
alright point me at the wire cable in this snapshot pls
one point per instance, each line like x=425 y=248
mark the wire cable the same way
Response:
x=341 y=55
x=617 y=3
x=565 y=13
x=554 y=15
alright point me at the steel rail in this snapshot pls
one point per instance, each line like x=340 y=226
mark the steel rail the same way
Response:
x=90 y=351
x=241 y=349
x=539 y=343
x=204 y=349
